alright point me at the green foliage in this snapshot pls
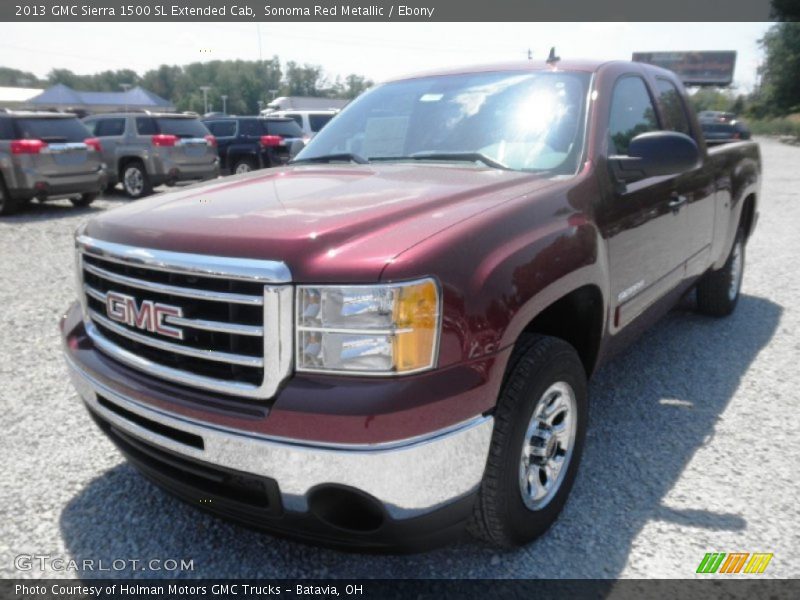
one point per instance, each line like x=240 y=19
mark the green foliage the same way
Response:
x=244 y=82
x=780 y=85
x=17 y=78
x=714 y=99
x=783 y=126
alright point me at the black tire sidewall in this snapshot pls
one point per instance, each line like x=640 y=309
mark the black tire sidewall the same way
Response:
x=522 y=524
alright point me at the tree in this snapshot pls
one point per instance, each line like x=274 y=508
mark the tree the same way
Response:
x=780 y=83
x=17 y=78
x=303 y=80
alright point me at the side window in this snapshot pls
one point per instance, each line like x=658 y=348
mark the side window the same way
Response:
x=672 y=106
x=91 y=126
x=109 y=127
x=6 y=129
x=222 y=128
x=146 y=126
x=632 y=113
x=317 y=122
x=250 y=127
x=297 y=118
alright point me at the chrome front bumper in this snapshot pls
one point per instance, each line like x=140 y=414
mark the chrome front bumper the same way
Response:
x=408 y=477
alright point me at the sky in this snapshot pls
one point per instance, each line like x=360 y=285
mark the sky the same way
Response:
x=378 y=50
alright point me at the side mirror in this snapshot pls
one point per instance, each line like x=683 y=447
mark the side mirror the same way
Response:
x=656 y=153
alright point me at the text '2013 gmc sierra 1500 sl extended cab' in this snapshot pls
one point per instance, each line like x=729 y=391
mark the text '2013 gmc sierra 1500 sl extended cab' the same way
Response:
x=388 y=341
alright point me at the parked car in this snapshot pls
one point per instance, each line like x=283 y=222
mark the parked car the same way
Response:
x=47 y=155
x=718 y=116
x=310 y=121
x=249 y=143
x=389 y=340
x=144 y=150
x=716 y=132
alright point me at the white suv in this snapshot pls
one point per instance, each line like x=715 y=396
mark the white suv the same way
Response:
x=310 y=121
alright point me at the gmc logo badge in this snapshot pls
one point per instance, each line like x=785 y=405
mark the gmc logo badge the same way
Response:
x=148 y=316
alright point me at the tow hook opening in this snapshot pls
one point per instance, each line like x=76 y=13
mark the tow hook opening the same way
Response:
x=346 y=508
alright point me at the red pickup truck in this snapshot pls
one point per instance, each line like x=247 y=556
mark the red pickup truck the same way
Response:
x=388 y=341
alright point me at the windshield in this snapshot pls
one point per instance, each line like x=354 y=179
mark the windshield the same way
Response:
x=52 y=129
x=521 y=120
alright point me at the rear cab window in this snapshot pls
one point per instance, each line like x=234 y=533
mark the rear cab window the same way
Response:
x=672 y=107
x=51 y=129
x=632 y=113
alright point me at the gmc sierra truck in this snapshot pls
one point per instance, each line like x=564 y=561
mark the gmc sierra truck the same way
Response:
x=387 y=342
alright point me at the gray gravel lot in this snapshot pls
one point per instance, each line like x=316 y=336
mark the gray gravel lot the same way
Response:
x=693 y=444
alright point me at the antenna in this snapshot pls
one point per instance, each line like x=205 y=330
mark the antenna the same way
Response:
x=552 y=59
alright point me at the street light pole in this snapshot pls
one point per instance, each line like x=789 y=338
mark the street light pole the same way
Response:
x=205 y=89
x=125 y=87
x=224 y=104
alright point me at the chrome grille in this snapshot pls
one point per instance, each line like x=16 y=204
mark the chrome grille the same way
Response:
x=233 y=316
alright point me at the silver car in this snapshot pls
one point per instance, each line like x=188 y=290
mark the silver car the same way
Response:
x=47 y=155
x=143 y=150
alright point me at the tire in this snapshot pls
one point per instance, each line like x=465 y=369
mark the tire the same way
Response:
x=110 y=187
x=718 y=291
x=84 y=200
x=544 y=372
x=135 y=180
x=8 y=205
x=243 y=165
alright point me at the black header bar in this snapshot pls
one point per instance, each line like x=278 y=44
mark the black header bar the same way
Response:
x=374 y=10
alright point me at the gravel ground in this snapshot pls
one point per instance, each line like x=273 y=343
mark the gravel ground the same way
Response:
x=693 y=444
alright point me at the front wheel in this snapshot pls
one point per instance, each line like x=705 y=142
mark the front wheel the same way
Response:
x=135 y=180
x=539 y=431
x=244 y=165
x=718 y=291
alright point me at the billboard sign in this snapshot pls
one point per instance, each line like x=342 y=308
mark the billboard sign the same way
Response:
x=694 y=68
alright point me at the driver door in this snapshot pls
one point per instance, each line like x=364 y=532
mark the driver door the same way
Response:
x=644 y=224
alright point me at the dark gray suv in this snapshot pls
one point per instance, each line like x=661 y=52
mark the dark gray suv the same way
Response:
x=143 y=150
x=47 y=155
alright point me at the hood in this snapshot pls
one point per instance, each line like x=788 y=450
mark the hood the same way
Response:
x=326 y=222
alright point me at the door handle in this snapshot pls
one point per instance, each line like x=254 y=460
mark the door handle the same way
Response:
x=676 y=201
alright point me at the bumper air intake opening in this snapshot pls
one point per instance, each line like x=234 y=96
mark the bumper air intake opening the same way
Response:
x=346 y=508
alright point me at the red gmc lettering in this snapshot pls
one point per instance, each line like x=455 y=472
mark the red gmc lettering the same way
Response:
x=148 y=316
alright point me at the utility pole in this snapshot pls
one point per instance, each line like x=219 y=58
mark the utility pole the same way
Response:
x=205 y=89
x=530 y=54
x=125 y=87
x=224 y=104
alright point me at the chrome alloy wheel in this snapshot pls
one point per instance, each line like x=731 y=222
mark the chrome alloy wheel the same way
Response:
x=134 y=181
x=547 y=446
x=243 y=167
x=737 y=268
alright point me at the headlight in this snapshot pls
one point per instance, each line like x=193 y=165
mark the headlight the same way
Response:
x=369 y=329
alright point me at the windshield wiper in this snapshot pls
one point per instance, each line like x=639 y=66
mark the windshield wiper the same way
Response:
x=326 y=158
x=455 y=156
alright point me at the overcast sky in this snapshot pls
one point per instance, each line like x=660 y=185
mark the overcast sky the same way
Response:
x=377 y=50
